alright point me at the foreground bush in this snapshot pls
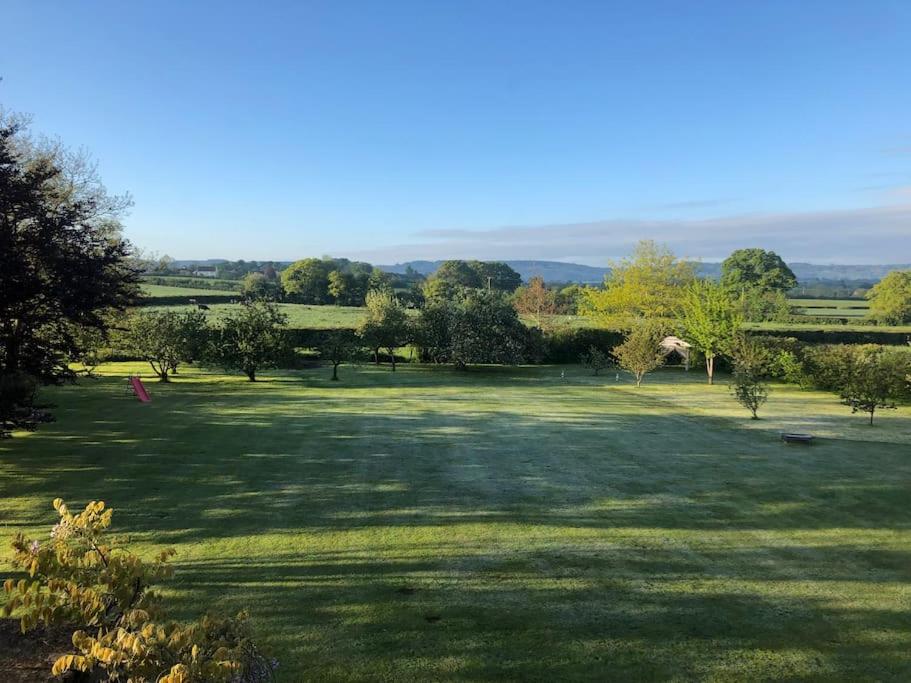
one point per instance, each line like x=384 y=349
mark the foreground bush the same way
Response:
x=79 y=578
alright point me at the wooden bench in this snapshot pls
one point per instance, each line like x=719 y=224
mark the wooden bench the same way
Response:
x=797 y=438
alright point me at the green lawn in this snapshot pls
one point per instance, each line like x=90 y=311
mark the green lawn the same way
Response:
x=501 y=524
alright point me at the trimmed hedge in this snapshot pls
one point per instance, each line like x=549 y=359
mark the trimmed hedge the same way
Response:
x=185 y=300
x=567 y=345
x=836 y=336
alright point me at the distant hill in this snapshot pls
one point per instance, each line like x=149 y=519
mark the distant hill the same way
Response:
x=556 y=271
x=551 y=271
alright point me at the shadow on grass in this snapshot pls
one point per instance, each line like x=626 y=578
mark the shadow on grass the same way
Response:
x=495 y=532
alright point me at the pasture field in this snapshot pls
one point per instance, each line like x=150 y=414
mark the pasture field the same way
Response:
x=158 y=291
x=501 y=523
x=299 y=315
x=836 y=308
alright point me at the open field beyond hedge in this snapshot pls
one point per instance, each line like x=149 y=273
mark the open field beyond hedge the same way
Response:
x=501 y=524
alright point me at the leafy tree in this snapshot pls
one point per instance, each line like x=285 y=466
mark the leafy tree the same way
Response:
x=458 y=273
x=63 y=263
x=307 y=281
x=378 y=280
x=433 y=331
x=166 y=338
x=341 y=287
x=336 y=348
x=569 y=298
x=536 y=301
x=877 y=379
x=756 y=270
x=251 y=339
x=710 y=320
x=890 y=298
x=80 y=577
x=385 y=325
x=640 y=352
x=647 y=285
x=485 y=328
x=595 y=359
x=258 y=287
x=496 y=275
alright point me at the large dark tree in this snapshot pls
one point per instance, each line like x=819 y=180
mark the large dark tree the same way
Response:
x=756 y=270
x=63 y=264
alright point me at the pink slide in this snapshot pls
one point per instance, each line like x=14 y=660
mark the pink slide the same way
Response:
x=140 y=390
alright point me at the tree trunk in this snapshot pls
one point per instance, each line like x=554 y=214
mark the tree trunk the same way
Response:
x=710 y=368
x=335 y=372
x=251 y=374
x=871 y=416
x=376 y=356
x=392 y=358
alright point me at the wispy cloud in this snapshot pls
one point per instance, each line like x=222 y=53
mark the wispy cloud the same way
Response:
x=692 y=204
x=870 y=235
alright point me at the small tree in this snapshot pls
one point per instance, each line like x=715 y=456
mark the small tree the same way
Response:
x=536 y=302
x=877 y=379
x=251 y=339
x=710 y=321
x=155 y=336
x=752 y=362
x=386 y=324
x=640 y=353
x=164 y=339
x=595 y=360
x=336 y=348
x=749 y=390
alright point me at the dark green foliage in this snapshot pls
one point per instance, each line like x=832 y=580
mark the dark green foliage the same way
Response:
x=496 y=275
x=250 y=339
x=453 y=279
x=63 y=265
x=756 y=270
x=595 y=360
x=257 y=287
x=17 y=403
x=566 y=345
x=485 y=328
x=482 y=327
x=432 y=332
x=190 y=299
x=833 y=335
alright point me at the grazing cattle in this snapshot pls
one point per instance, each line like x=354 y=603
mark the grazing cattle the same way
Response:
x=192 y=301
x=202 y=307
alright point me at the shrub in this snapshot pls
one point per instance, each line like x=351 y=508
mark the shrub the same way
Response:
x=595 y=359
x=17 y=403
x=78 y=577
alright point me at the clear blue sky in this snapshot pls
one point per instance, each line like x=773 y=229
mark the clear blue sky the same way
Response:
x=394 y=130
